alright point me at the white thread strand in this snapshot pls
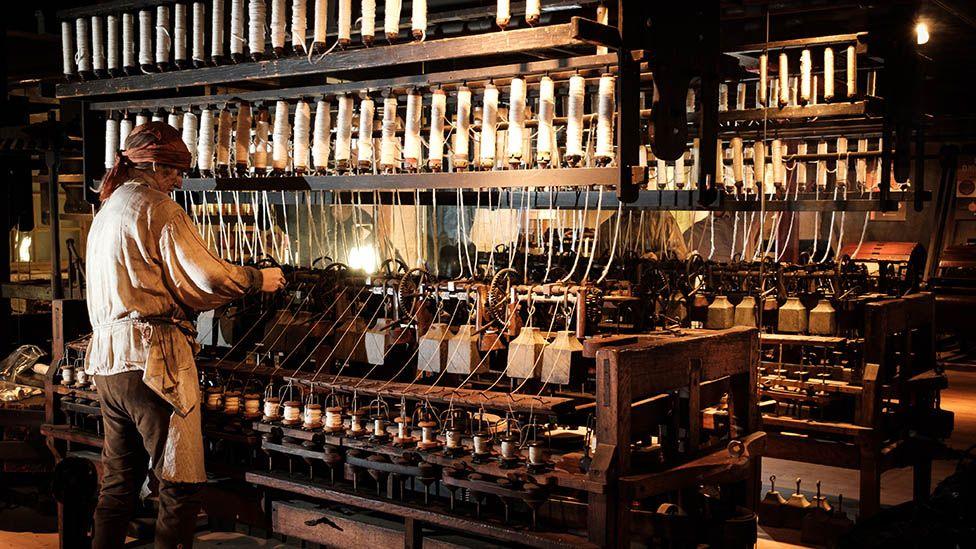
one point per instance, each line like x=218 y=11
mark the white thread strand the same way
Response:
x=851 y=71
x=205 y=145
x=320 y=136
x=435 y=142
x=737 y=161
x=238 y=34
x=262 y=131
x=129 y=59
x=412 y=154
x=604 y=120
x=68 y=48
x=806 y=80
x=179 y=32
x=163 y=41
x=225 y=125
x=418 y=19
x=784 y=80
x=146 y=53
x=343 y=146
x=779 y=172
x=759 y=163
x=199 y=20
x=545 y=141
x=367 y=115
x=503 y=13
x=278 y=25
x=391 y=19
x=462 y=129
x=98 y=43
x=279 y=139
x=345 y=22
x=320 y=21
x=257 y=20
x=367 y=25
x=83 y=58
x=125 y=128
x=303 y=117
x=533 y=11
x=111 y=141
x=574 y=121
x=489 y=121
x=112 y=53
x=516 y=120
x=828 y=74
x=299 y=25
x=191 y=125
x=762 y=94
x=217 y=30
x=242 y=142
x=388 y=138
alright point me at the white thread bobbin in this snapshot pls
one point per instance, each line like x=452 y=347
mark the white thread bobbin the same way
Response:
x=262 y=131
x=545 y=142
x=503 y=13
x=828 y=74
x=191 y=125
x=574 y=120
x=278 y=25
x=435 y=143
x=113 y=57
x=679 y=172
x=759 y=160
x=533 y=12
x=388 y=142
x=737 y=161
x=217 y=31
x=199 y=21
x=125 y=128
x=345 y=23
x=279 y=138
x=68 y=48
x=740 y=96
x=861 y=165
x=418 y=19
x=604 y=119
x=801 y=167
x=822 y=165
x=205 y=144
x=111 y=141
x=225 y=125
x=157 y=116
x=175 y=120
x=303 y=119
x=320 y=136
x=242 y=142
x=661 y=174
x=779 y=171
x=516 y=120
x=343 y=146
x=367 y=25
x=784 y=79
x=299 y=25
x=842 y=161
x=762 y=95
x=83 y=58
x=163 y=40
x=238 y=33
x=412 y=154
x=391 y=19
x=489 y=121
x=129 y=58
x=367 y=115
x=98 y=45
x=462 y=138
x=319 y=22
x=146 y=53
x=806 y=77
x=723 y=97
x=256 y=24
x=720 y=172
x=141 y=119
x=179 y=34
x=851 y=71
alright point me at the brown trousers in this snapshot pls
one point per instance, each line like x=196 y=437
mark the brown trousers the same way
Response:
x=136 y=425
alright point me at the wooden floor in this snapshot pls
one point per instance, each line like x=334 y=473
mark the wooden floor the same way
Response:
x=17 y=531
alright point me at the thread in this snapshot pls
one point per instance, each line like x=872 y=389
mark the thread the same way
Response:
x=737 y=161
x=779 y=173
x=262 y=131
x=759 y=161
x=391 y=19
x=574 y=120
x=533 y=12
x=861 y=165
x=388 y=137
x=125 y=128
x=489 y=121
x=279 y=138
x=146 y=53
x=503 y=13
x=68 y=48
x=238 y=38
x=345 y=22
x=740 y=96
x=278 y=26
x=851 y=71
x=257 y=19
x=545 y=141
x=763 y=91
x=129 y=60
x=828 y=74
x=175 y=120
x=822 y=165
x=679 y=172
x=367 y=25
x=604 y=118
x=320 y=135
x=205 y=143
x=320 y=21
x=191 y=125
x=412 y=154
x=516 y=120
x=179 y=33
x=224 y=126
x=806 y=83
x=83 y=59
x=720 y=176
x=217 y=31
x=157 y=117
x=723 y=97
x=199 y=20
x=784 y=80
x=163 y=40
x=343 y=146
x=299 y=25
x=111 y=141
x=462 y=128
x=141 y=119
x=418 y=19
x=842 y=160
x=303 y=116
x=801 y=167
x=435 y=143
x=242 y=143
x=367 y=115
x=98 y=44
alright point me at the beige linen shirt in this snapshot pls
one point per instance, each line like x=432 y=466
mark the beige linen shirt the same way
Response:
x=148 y=272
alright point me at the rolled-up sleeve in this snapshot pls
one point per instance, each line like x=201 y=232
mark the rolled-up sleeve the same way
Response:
x=197 y=277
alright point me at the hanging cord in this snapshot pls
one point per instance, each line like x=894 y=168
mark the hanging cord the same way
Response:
x=613 y=245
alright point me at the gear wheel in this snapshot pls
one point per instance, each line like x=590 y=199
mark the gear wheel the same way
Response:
x=498 y=294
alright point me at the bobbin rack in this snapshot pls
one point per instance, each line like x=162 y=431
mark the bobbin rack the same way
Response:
x=635 y=419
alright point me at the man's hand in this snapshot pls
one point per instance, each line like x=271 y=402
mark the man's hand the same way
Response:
x=272 y=280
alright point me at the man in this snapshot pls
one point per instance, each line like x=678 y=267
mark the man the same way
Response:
x=148 y=273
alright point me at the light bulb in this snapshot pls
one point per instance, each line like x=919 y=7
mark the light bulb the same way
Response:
x=922 y=33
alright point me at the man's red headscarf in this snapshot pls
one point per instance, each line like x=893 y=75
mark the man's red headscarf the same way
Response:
x=151 y=143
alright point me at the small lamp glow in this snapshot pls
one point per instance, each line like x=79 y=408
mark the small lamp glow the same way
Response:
x=24 y=249
x=921 y=33
x=364 y=258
